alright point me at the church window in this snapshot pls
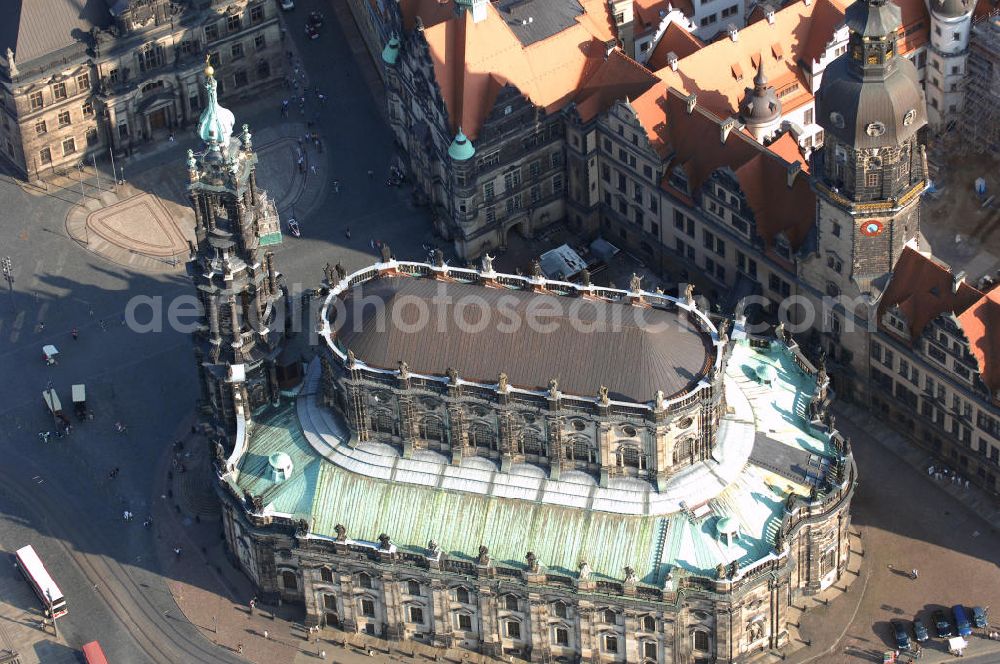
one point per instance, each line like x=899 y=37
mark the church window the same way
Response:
x=330 y=602
x=611 y=643
x=513 y=629
x=559 y=609
x=383 y=421
x=562 y=636
x=871 y=179
x=510 y=602
x=413 y=587
x=683 y=450
x=364 y=580
x=610 y=616
x=649 y=623
x=531 y=442
x=481 y=435
x=462 y=595
x=431 y=429
x=700 y=639
x=649 y=650
x=288 y=580
x=326 y=574
x=465 y=622
x=368 y=608
x=629 y=456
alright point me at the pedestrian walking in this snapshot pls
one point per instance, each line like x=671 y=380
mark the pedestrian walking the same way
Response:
x=371 y=173
x=171 y=137
x=266 y=637
x=914 y=573
x=322 y=654
x=239 y=648
x=347 y=233
x=41 y=327
x=312 y=169
x=177 y=551
x=75 y=333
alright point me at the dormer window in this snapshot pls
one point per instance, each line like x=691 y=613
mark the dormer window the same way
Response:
x=678 y=179
x=782 y=247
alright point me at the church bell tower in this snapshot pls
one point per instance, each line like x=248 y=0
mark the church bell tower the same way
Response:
x=872 y=168
x=238 y=286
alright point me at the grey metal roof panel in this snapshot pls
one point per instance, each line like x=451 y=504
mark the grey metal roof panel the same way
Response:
x=582 y=343
x=864 y=102
x=36 y=28
x=875 y=19
x=535 y=20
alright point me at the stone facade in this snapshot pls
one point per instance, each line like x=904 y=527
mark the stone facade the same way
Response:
x=134 y=79
x=525 y=611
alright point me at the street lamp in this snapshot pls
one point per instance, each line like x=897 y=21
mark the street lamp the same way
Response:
x=8 y=274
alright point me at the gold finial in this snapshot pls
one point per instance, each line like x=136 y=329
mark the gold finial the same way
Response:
x=209 y=69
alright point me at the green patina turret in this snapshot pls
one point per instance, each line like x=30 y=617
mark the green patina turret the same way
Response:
x=390 y=54
x=461 y=148
x=216 y=122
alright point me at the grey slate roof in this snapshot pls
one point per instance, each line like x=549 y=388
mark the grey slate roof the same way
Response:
x=952 y=8
x=875 y=18
x=862 y=102
x=37 y=28
x=534 y=20
x=633 y=357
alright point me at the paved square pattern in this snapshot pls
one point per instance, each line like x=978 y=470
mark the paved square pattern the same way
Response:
x=141 y=223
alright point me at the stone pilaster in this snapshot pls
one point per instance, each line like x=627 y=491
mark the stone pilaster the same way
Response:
x=553 y=426
x=604 y=450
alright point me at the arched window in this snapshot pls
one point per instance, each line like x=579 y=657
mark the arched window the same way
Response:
x=700 y=639
x=610 y=616
x=462 y=595
x=531 y=441
x=413 y=587
x=559 y=609
x=579 y=449
x=330 y=602
x=326 y=574
x=510 y=601
x=683 y=450
x=431 y=428
x=383 y=421
x=629 y=456
x=513 y=629
x=481 y=435
x=649 y=623
x=364 y=580
x=289 y=580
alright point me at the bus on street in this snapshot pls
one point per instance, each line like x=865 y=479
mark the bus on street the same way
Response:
x=48 y=592
x=93 y=654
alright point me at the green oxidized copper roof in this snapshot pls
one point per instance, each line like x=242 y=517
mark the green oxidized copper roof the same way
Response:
x=390 y=54
x=561 y=537
x=461 y=148
x=216 y=122
x=270 y=238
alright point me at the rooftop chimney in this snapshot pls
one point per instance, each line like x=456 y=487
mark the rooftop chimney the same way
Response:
x=768 y=12
x=727 y=126
x=672 y=60
x=957 y=280
x=692 y=101
x=794 y=169
x=734 y=33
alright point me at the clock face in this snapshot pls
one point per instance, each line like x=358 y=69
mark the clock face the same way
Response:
x=871 y=227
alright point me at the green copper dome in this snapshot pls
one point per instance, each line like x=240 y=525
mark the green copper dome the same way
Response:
x=726 y=524
x=391 y=51
x=216 y=122
x=461 y=148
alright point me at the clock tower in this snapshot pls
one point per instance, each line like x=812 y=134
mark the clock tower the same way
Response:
x=872 y=168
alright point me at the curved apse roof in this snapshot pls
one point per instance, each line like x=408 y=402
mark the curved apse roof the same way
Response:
x=582 y=343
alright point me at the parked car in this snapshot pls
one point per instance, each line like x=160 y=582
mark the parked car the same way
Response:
x=920 y=630
x=962 y=623
x=941 y=624
x=901 y=634
x=979 y=618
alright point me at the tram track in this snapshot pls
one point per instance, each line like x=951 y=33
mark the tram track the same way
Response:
x=161 y=639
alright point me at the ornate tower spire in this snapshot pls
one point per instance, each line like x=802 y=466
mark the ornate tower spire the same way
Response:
x=760 y=109
x=870 y=171
x=234 y=274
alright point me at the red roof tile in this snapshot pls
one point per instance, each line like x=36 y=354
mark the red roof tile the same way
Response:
x=618 y=77
x=677 y=40
x=977 y=322
x=922 y=288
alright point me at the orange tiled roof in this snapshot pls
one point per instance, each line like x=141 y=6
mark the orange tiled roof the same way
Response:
x=922 y=289
x=825 y=19
x=721 y=71
x=916 y=21
x=472 y=61
x=648 y=12
x=977 y=322
x=618 y=77
x=693 y=141
x=787 y=148
x=677 y=40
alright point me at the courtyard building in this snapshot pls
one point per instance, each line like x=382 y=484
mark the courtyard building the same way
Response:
x=116 y=75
